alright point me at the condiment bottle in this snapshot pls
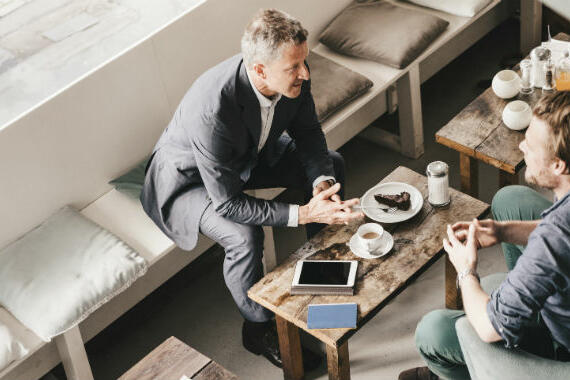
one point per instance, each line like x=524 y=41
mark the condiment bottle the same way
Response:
x=563 y=73
x=438 y=184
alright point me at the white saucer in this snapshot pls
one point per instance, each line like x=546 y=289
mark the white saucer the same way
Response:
x=360 y=251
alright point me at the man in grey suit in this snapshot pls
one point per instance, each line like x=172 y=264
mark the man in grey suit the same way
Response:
x=226 y=136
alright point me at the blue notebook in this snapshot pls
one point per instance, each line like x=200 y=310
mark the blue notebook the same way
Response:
x=332 y=316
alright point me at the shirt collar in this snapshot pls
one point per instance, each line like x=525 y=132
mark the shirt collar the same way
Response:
x=263 y=100
x=558 y=203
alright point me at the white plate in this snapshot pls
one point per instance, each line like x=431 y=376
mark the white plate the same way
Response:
x=360 y=251
x=368 y=202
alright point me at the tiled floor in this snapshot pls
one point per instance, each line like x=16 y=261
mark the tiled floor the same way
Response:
x=196 y=307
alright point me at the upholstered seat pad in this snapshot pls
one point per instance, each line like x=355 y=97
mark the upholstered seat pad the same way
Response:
x=57 y=274
x=11 y=346
x=333 y=85
x=382 y=32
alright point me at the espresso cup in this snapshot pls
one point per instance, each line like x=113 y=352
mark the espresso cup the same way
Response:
x=370 y=236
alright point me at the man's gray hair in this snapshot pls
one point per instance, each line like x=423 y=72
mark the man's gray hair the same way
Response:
x=267 y=33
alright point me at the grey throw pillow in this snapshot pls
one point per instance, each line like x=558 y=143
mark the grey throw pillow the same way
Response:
x=131 y=183
x=382 y=32
x=333 y=85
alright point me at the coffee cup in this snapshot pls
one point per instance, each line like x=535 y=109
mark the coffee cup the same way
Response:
x=370 y=236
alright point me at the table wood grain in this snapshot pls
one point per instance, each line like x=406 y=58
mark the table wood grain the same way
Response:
x=478 y=130
x=173 y=359
x=418 y=243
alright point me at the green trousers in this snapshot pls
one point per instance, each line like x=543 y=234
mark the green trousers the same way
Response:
x=436 y=338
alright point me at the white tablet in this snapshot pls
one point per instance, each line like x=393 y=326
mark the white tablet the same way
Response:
x=325 y=273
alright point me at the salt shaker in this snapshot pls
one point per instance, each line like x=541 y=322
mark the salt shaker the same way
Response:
x=539 y=56
x=438 y=184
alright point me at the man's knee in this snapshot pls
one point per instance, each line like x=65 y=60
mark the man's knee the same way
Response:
x=506 y=199
x=435 y=332
x=245 y=238
x=518 y=203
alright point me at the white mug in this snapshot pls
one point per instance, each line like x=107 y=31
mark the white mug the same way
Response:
x=370 y=236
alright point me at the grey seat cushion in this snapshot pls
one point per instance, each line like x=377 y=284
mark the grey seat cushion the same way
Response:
x=382 y=32
x=54 y=276
x=333 y=85
x=131 y=183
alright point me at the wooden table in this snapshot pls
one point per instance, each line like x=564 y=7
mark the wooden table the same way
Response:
x=478 y=133
x=172 y=360
x=418 y=244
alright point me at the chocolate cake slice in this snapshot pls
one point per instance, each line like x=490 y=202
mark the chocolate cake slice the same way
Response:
x=401 y=201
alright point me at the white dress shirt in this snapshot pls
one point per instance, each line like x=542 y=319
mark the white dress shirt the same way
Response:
x=267 y=108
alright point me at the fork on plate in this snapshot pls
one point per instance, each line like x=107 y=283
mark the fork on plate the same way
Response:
x=385 y=209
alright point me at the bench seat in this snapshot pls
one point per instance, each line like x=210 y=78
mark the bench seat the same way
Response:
x=401 y=87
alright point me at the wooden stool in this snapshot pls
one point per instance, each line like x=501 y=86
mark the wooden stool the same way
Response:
x=173 y=360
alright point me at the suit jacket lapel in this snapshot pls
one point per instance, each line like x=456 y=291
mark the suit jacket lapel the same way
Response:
x=251 y=113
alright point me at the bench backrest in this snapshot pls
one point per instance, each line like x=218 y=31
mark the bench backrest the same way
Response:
x=68 y=148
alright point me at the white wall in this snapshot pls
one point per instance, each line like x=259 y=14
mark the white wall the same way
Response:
x=66 y=150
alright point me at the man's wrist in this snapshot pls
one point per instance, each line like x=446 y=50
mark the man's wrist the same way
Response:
x=324 y=178
x=464 y=274
x=303 y=215
x=500 y=228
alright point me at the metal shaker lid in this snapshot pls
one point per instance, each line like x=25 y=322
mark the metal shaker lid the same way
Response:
x=540 y=54
x=437 y=169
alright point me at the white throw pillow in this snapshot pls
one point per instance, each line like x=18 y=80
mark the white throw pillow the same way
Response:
x=11 y=348
x=54 y=276
x=466 y=8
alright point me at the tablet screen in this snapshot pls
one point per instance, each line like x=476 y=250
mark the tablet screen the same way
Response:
x=324 y=273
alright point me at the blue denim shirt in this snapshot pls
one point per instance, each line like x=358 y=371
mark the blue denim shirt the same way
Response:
x=539 y=282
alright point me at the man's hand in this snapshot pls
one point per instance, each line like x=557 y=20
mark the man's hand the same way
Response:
x=487 y=232
x=321 y=209
x=462 y=256
x=322 y=186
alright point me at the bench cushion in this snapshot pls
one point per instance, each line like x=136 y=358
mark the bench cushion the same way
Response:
x=11 y=348
x=466 y=8
x=333 y=85
x=382 y=32
x=57 y=274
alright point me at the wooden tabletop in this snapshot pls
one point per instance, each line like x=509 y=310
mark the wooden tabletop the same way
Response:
x=478 y=130
x=172 y=360
x=418 y=243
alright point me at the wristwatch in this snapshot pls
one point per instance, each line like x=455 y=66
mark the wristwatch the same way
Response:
x=331 y=182
x=461 y=275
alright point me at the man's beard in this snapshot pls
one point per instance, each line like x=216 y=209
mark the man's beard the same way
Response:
x=543 y=179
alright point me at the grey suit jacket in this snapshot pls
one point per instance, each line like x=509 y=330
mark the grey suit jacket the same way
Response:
x=210 y=147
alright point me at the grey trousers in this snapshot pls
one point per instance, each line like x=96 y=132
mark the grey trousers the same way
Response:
x=243 y=244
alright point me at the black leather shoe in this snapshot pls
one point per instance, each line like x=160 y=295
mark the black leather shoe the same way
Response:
x=261 y=339
x=418 y=373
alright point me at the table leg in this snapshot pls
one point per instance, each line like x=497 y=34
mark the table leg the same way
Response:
x=452 y=294
x=338 y=362
x=290 y=346
x=469 y=175
x=506 y=179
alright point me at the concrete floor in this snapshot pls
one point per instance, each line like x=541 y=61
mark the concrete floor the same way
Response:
x=196 y=307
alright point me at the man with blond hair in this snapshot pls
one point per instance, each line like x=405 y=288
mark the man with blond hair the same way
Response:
x=531 y=308
x=228 y=135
